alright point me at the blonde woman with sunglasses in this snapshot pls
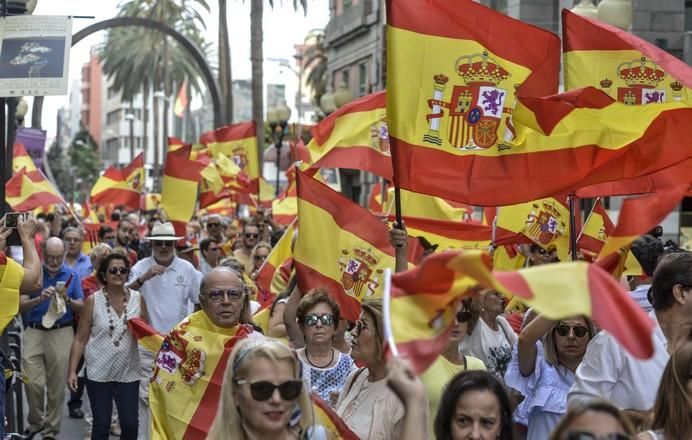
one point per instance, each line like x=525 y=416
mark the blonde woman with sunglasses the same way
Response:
x=263 y=396
x=548 y=353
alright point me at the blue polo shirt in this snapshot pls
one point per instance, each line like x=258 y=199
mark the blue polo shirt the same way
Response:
x=83 y=266
x=74 y=291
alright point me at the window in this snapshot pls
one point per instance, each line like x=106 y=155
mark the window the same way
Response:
x=113 y=117
x=348 y=3
x=362 y=79
x=345 y=78
x=688 y=15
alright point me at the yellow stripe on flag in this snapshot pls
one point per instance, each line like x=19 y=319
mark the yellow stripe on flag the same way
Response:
x=242 y=150
x=178 y=198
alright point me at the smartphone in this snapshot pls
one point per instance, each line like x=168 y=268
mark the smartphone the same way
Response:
x=60 y=286
x=11 y=219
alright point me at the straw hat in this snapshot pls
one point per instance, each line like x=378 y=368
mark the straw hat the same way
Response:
x=163 y=232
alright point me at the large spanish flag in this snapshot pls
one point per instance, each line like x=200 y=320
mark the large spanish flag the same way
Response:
x=355 y=136
x=424 y=299
x=449 y=235
x=426 y=206
x=341 y=246
x=238 y=142
x=180 y=182
x=621 y=64
x=11 y=275
x=21 y=159
x=185 y=387
x=544 y=222
x=23 y=193
x=120 y=186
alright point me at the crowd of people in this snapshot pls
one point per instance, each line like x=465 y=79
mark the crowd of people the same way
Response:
x=502 y=375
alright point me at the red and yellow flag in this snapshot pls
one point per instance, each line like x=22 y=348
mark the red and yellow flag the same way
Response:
x=544 y=222
x=21 y=159
x=285 y=208
x=23 y=193
x=11 y=275
x=449 y=235
x=280 y=254
x=621 y=64
x=185 y=387
x=180 y=182
x=597 y=229
x=120 y=186
x=426 y=206
x=239 y=143
x=355 y=136
x=145 y=334
x=340 y=246
x=181 y=101
x=332 y=423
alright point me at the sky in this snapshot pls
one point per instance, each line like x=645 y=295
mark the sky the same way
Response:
x=283 y=27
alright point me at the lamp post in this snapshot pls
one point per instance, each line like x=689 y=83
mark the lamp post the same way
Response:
x=278 y=121
x=616 y=12
x=342 y=96
x=131 y=119
x=585 y=8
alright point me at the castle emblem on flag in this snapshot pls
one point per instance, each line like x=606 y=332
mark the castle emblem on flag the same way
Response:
x=544 y=224
x=642 y=78
x=476 y=110
x=359 y=277
x=379 y=136
x=239 y=157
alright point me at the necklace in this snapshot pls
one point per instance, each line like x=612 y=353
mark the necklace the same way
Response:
x=307 y=356
x=111 y=322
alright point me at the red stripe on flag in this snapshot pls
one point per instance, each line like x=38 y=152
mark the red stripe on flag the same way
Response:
x=349 y=307
x=229 y=133
x=357 y=158
x=323 y=130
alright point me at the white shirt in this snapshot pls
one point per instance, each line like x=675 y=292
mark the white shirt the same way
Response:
x=167 y=296
x=610 y=373
x=493 y=347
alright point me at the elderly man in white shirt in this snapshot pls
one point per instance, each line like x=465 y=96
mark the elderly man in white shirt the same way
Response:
x=168 y=285
x=608 y=372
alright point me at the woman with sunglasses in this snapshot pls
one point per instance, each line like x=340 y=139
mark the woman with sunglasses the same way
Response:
x=110 y=350
x=369 y=408
x=451 y=361
x=548 y=353
x=326 y=367
x=263 y=396
x=596 y=420
x=672 y=414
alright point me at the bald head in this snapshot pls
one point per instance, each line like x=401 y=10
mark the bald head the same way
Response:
x=54 y=254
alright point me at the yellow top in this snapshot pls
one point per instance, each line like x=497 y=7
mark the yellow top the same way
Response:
x=438 y=376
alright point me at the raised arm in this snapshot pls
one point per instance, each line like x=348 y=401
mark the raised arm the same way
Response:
x=295 y=335
x=398 y=238
x=527 y=343
x=33 y=271
x=407 y=386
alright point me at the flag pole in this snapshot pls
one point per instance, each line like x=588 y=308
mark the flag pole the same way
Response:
x=571 y=200
x=589 y=217
x=386 y=311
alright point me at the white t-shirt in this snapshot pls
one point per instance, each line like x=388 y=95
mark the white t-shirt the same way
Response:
x=609 y=372
x=494 y=348
x=169 y=295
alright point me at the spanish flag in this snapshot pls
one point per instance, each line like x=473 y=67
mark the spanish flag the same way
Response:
x=181 y=101
x=174 y=143
x=544 y=222
x=508 y=257
x=185 y=387
x=621 y=64
x=638 y=215
x=285 y=208
x=446 y=235
x=21 y=159
x=145 y=334
x=340 y=246
x=597 y=228
x=11 y=275
x=120 y=186
x=332 y=423
x=279 y=255
x=426 y=206
x=150 y=202
x=180 y=182
x=427 y=295
x=355 y=136
x=239 y=143
x=23 y=193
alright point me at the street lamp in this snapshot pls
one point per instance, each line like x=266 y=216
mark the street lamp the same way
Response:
x=585 y=8
x=20 y=112
x=616 y=12
x=342 y=96
x=327 y=103
x=278 y=121
x=131 y=119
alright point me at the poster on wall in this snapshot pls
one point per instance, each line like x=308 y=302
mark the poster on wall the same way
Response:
x=34 y=55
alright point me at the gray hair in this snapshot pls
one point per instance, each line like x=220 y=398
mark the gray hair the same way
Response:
x=72 y=229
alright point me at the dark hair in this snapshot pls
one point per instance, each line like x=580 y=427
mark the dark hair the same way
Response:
x=103 y=266
x=471 y=381
x=675 y=268
x=647 y=250
x=672 y=407
x=579 y=409
x=103 y=230
x=120 y=223
x=314 y=297
x=205 y=242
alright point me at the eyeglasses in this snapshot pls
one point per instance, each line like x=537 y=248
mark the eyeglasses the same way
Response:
x=217 y=295
x=463 y=316
x=116 y=270
x=263 y=390
x=249 y=235
x=311 y=320
x=359 y=327
x=53 y=257
x=213 y=225
x=213 y=249
x=579 y=331
x=161 y=243
x=261 y=257
x=585 y=435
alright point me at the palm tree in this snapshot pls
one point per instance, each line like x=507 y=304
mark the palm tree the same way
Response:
x=316 y=65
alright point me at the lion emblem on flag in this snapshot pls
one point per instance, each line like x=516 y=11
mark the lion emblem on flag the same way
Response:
x=359 y=277
x=543 y=224
x=477 y=110
x=239 y=157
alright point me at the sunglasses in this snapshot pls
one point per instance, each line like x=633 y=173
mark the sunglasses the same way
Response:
x=116 y=270
x=311 y=320
x=213 y=225
x=463 y=316
x=261 y=391
x=217 y=295
x=584 y=435
x=579 y=331
x=358 y=327
x=159 y=243
x=249 y=235
x=261 y=257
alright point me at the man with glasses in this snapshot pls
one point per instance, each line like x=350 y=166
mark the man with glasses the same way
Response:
x=169 y=286
x=210 y=252
x=215 y=228
x=223 y=320
x=46 y=350
x=250 y=238
x=75 y=258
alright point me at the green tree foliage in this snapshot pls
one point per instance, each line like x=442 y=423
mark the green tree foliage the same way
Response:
x=316 y=65
x=59 y=168
x=84 y=160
